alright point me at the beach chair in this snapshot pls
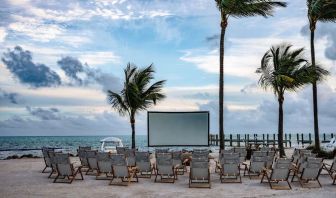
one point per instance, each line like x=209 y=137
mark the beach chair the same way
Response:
x=104 y=164
x=65 y=169
x=331 y=169
x=46 y=158
x=242 y=153
x=308 y=171
x=278 y=173
x=165 y=168
x=121 y=150
x=200 y=154
x=260 y=153
x=130 y=157
x=143 y=164
x=52 y=159
x=82 y=158
x=121 y=171
x=84 y=148
x=199 y=176
x=91 y=157
x=230 y=168
x=256 y=166
x=178 y=163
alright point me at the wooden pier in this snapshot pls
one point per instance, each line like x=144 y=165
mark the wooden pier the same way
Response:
x=290 y=139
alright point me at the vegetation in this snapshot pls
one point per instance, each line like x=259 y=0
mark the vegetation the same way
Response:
x=283 y=69
x=324 y=11
x=137 y=94
x=237 y=9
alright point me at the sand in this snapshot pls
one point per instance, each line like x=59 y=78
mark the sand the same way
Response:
x=23 y=178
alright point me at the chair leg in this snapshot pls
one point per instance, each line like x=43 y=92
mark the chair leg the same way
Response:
x=290 y=187
x=319 y=183
x=44 y=169
x=56 y=178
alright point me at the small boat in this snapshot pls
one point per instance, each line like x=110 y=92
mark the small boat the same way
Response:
x=110 y=144
x=330 y=146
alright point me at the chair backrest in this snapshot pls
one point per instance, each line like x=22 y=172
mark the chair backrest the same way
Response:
x=118 y=160
x=199 y=169
x=162 y=150
x=258 y=163
x=265 y=149
x=142 y=161
x=119 y=165
x=129 y=152
x=121 y=150
x=91 y=156
x=45 y=151
x=259 y=153
x=104 y=162
x=52 y=157
x=281 y=169
x=204 y=154
x=271 y=153
x=63 y=164
x=312 y=169
x=164 y=163
x=230 y=158
x=84 y=148
x=333 y=165
x=231 y=150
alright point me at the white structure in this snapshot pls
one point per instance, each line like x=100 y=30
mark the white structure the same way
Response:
x=110 y=144
x=330 y=146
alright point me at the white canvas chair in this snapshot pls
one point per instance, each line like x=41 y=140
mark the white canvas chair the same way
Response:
x=46 y=158
x=199 y=176
x=130 y=157
x=143 y=164
x=230 y=168
x=178 y=163
x=65 y=169
x=331 y=169
x=242 y=153
x=278 y=173
x=121 y=171
x=308 y=171
x=81 y=154
x=104 y=164
x=165 y=168
x=256 y=166
x=91 y=157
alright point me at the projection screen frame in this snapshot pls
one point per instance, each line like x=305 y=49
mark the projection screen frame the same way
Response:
x=207 y=145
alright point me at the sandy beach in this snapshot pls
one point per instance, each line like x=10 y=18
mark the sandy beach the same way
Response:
x=23 y=178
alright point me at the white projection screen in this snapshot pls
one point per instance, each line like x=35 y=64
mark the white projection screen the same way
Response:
x=178 y=128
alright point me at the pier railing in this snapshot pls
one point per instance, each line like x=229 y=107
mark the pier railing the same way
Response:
x=300 y=139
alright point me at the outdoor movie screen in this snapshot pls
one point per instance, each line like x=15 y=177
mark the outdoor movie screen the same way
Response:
x=178 y=128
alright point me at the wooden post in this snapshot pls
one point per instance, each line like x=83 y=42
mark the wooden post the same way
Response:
x=238 y=138
x=230 y=139
x=298 y=139
x=324 y=137
x=310 y=141
x=263 y=139
x=216 y=139
x=274 y=141
x=267 y=139
x=248 y=139
x=286 y=139
x=302 y=139
x=332 y=135
x=290 y=140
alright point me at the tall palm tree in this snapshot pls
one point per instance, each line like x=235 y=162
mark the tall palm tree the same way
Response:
x=237 y=9
x=283 y=69
x=137 y=94
x=324 y=11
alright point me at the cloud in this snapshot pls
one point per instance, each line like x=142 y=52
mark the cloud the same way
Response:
x=99 y=57
x=20 y=63
x=324 y=30
x=3 y=34
x=298 y=114
x=44 y=114
x=72 y=67
x=8 y=97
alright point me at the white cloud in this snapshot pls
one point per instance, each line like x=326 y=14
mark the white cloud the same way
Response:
x=98 y=58
x=3 y=34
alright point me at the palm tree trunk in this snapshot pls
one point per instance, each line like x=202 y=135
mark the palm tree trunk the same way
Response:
x=133 y=131
x=280 y=128
x=312 y=50
x=221 y=83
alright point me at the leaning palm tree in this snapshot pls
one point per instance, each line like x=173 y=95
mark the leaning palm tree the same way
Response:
x=324 y=11
x=237 y=9
x=137 y=94
x=283 y=69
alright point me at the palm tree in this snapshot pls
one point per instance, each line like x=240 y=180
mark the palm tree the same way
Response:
x=137 y=94
x=283 y=69
x=237 y=9
x=324 y=11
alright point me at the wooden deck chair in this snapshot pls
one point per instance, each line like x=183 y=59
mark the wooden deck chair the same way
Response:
x=278 y=173
x=91 y=157
x=220 y=156
x=52 y=159
x=121 y=171
x=331 y=169
x=309 y=171
x=104 y=164
x=199 y=176
x=178 y=163
x=165 y=168
x=65 y=169
x=242 y=153
x=230 y=168
x=200 y=154
x=143 y=164
x=82 y=158
x=255 y=167
x=130 y=157
x=46 y=158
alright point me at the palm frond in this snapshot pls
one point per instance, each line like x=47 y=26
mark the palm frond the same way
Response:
x=117 y=102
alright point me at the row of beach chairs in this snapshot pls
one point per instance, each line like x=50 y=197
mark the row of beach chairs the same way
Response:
x=128 y=164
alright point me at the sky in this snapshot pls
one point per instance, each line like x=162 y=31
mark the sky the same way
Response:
x=59 y=58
